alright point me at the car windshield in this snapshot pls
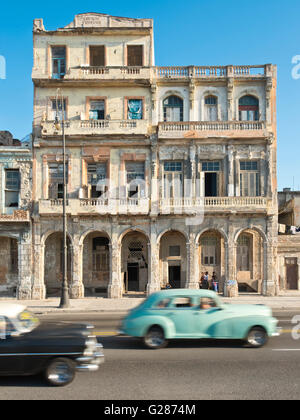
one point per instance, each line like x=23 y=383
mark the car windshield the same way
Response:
x=28 y=321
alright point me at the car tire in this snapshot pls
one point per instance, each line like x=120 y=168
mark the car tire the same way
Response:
x=60 y=372
x=155 y=338
x=257 y=337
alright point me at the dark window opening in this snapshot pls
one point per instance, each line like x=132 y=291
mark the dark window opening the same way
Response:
x=211 y=186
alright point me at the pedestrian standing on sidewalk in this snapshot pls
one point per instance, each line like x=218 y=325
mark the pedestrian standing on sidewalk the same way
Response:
x=214 y=281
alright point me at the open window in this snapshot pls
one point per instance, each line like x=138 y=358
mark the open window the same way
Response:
x=173 y=109
x=97 y=179
x=97 y=110
x=58 y=110
x=58 y=62
x=12 y=187
x=211 y=178
x=56 y=180
x=135 y=177
x=248 y=108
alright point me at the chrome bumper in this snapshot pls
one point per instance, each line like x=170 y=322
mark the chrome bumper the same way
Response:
x=91 y=363
x=278 y=332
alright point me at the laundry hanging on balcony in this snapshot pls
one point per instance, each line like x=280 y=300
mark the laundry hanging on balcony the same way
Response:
x=135 y=109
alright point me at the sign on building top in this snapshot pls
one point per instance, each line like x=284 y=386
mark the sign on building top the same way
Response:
x=99 y=20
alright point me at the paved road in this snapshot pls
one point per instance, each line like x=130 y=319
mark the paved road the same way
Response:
x=189 y=370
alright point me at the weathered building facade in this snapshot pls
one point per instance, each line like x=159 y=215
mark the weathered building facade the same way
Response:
x=289 y=240
x=171 y=171
x=15 y=222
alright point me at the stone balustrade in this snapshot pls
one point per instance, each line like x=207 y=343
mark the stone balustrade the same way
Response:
x=216 y=128
x=96 y=127
x=186 y=205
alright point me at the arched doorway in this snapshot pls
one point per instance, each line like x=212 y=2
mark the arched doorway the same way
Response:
x=9 y=273
x=249 y=261
x=212 y=257
x=53 y=270
x=134 y=262
x=96 y=263
x=173 y=260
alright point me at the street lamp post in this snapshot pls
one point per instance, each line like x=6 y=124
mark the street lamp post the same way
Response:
x=64 y=300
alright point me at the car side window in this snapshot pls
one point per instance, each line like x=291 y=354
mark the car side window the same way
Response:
x=164 y=303
x=207 y=303
x=183 y=302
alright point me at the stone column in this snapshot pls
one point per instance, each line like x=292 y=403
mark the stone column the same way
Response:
x=76 y=287
x=115 y=287
x=153 y=261
x=270 y=282
x=38 y=285
x=231 y=288
x=230 y=190
x=24 y=266
x=154 y=188
x=192 y=281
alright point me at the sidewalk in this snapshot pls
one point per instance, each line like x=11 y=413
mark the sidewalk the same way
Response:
x=88 y=305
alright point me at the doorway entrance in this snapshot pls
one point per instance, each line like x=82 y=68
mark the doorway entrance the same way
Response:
x=175 y=276
x=211 y=184
x=133 y=277
x=291 y=273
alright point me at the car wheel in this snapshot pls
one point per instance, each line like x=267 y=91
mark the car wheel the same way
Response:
x=60 y=372
x=257 y=337
x=155 y=338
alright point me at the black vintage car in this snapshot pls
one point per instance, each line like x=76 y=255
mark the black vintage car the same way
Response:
x=28 y=347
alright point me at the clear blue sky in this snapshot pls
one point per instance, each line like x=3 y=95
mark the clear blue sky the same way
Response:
x=186 y=32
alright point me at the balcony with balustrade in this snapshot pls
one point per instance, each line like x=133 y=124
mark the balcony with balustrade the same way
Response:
x=203 y=205
x=204 y=129
x=143 y=206
x=95 y=207
x=96 y=128
x=212 y=72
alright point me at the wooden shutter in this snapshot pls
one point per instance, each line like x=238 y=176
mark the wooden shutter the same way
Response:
x=135 y=55
x=97 y=56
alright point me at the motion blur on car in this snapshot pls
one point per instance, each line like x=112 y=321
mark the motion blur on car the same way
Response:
x=198 y=314
x=29 y=347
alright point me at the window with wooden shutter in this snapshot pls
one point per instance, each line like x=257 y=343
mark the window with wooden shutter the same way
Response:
x=97 y=56
x=211 y=108
x=173 y=109
x=173 y=179
x=243 y=253
x=249 y=179
x=209 y=251
x=135 y=55
x=12 y=187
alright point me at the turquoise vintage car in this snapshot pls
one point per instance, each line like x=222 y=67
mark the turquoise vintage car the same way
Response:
x=197 y=314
